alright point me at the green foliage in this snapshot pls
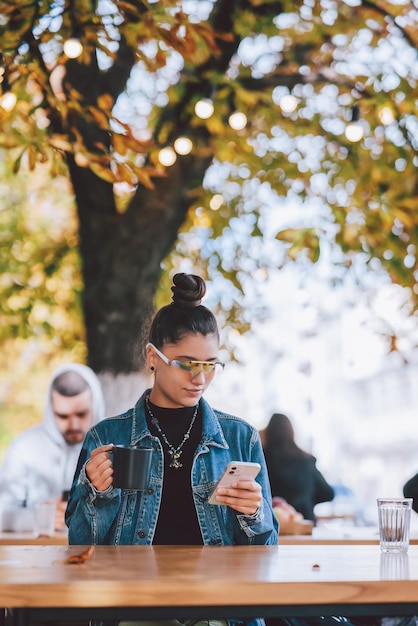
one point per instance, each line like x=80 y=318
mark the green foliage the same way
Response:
x=49 y=109
x=40 y=278
x=41 y=324
x=132 y=91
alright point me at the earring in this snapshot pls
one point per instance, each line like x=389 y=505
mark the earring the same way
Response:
x=152 y=368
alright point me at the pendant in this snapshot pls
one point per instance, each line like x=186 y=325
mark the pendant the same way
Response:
x=175 y=460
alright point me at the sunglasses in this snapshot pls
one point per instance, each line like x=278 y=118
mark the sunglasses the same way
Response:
x=195 y=367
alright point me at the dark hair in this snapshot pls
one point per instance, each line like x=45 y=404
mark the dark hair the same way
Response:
x=69 y=384
x=185 y=315
x=280 y=436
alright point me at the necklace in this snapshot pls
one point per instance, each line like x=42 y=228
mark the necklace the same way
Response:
x=174 y=453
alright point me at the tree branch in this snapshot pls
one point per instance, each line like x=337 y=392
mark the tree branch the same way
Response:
x=385 y=12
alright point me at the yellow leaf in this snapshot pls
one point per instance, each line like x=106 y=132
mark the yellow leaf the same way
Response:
x=31 y=157
x=103 y=172
x=125 y=174
x=105 y=101
x=409 y=203
x=100 y=117
x=288 y=235
x=81 y=159
x=119 y=144
x=60 y=142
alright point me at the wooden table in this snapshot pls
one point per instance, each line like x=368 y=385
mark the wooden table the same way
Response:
x=144 y=582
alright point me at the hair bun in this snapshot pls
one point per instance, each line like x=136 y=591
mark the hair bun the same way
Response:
x=188 y=290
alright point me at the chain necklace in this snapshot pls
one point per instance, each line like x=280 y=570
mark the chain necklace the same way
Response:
x=174 y=453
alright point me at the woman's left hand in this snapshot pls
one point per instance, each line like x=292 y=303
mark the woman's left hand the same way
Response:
x=244 y=496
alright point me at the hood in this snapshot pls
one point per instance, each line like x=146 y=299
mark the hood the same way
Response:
x=96 y=392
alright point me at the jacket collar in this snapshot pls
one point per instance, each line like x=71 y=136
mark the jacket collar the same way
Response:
x=212 y=433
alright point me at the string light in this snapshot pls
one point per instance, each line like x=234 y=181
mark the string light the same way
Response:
x=73 y=48
x=183 y=145
x=354 y=130
x=385 y=115
x=204 y=108
x=216 y=202
x=288 y=103
x=167 y=156
x=237 y=120
x=8 y=101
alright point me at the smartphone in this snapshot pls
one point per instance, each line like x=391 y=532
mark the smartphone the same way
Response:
x=235 y=471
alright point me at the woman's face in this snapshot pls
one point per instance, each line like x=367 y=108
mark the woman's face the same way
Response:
x=175 y=387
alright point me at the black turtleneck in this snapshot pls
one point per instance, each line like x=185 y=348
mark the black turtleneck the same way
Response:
x=177 y=520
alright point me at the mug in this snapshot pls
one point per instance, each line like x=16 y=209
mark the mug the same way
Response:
x=132 y=467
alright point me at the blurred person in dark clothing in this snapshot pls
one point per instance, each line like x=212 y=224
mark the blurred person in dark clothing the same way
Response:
x=410 y=490
x=293 y=473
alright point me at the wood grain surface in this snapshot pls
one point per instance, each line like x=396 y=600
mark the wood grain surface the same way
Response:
x=39 y=576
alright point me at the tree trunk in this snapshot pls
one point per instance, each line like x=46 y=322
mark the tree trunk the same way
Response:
x=122 y=255
x=121 y=391
x=122 y=252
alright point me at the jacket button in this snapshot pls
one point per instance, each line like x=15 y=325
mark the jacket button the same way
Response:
x=150 y=491
x=142 y=534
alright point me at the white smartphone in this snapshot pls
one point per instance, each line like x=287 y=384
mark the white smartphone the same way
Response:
x=235 y=471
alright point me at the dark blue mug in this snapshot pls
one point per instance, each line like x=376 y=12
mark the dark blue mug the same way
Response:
x=132 y=467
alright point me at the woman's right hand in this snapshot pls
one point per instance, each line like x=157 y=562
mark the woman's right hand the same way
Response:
x=99 y=467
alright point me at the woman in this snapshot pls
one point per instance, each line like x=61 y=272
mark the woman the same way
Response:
x=293 y=472
x=192 y=445
x=410 y=490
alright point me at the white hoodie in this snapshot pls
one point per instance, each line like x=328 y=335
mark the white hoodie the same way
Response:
x=39 y=463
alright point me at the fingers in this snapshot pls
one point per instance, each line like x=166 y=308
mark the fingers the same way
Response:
x=251 y=488
x=99 y=467
x=100 y=449
x=244 y=497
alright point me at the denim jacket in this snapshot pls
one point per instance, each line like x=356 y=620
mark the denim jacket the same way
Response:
x=127 y=517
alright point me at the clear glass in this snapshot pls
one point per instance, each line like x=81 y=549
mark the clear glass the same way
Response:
x=394 y=523
x=45 y=518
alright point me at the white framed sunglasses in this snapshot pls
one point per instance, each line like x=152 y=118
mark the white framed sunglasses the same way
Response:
x=194 y=367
